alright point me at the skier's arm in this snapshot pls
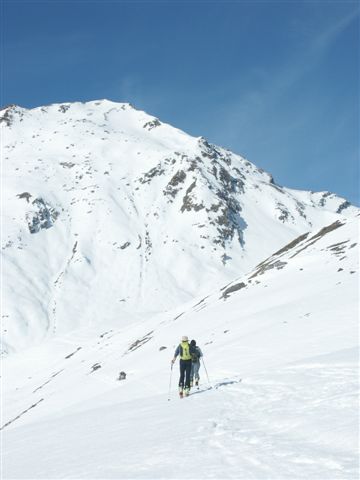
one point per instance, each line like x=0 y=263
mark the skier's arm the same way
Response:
x=201 y=354
x=177 y=352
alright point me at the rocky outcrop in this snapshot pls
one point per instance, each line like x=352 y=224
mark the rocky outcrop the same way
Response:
x=42 y=216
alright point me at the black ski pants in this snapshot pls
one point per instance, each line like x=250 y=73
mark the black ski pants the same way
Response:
x=185 y=369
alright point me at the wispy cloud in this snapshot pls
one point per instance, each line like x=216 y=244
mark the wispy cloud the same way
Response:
x=255 y=104
x=327 y=37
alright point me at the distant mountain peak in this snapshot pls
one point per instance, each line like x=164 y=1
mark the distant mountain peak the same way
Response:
x=157 y=216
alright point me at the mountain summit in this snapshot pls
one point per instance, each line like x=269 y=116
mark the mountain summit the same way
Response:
x=111 y=215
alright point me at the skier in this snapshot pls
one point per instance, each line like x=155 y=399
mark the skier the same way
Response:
x=183 y=350
x=196 y=354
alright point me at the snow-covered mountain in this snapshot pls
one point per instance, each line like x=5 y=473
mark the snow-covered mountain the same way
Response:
x=280 y=346
x=112 y=218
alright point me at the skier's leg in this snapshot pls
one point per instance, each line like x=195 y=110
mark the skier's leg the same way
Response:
x=196 y=372
x=187 y=373
x=182 y=373
x=192 y=374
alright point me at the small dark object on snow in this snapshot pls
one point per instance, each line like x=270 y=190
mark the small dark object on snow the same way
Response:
x=122 y=376
x=25 y=195
x=95 y=366
x=162 y=348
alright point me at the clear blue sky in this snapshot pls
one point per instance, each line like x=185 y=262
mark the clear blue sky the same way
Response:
x=276 y=81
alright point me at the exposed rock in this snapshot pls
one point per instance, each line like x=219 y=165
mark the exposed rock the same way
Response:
x=64 y=108
x=95 y=367
x=152 y=124
x=265 y=266
x=67 y=164
x=148 y=176
x=8 y=115
x=138 y=343
x=284 y=213
x=342 y=207
x=188 y=200
x=323 y=198
x=276 y=187
x=292 y=244
x=42 y=217
x=232 y=289
x=148 y=245
x=208 y=150
x=25 y=195
x=319 y=235
x=300 y=208
x=172 y=187
x=229 y=221
x=21 y=414
x=338 y=248
x=72 y=354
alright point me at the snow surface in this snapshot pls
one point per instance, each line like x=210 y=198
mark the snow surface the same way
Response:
x=104 y=201
x=281 y=402
x=293 y=422
x=120 y=235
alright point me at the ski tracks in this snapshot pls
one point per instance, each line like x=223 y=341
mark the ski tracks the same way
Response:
x=301 y=418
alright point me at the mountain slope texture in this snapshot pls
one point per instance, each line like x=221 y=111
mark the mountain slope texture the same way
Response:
x=120 y=235
x=104 y=201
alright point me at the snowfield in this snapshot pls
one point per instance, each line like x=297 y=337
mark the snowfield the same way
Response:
x=101 y=200
x=282 y=401
x=205 y=245
x=292 y=422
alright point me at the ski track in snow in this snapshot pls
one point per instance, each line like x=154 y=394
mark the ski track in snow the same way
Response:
x=280 y=425
x=124 y=242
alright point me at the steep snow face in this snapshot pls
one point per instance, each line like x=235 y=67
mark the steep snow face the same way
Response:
x=280 y=347
x=111 y=215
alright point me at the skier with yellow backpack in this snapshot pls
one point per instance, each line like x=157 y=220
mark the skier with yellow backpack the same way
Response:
x=183 y=350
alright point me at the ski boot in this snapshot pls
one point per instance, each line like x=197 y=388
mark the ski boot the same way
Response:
x=187 y=392
x=181 y=392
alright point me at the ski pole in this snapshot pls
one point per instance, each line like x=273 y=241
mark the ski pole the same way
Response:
x=202 y=358
x=170 y=382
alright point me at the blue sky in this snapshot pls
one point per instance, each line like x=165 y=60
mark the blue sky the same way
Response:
x=276 y=81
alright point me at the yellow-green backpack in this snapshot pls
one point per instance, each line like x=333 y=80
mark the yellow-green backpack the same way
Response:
x=185 y=351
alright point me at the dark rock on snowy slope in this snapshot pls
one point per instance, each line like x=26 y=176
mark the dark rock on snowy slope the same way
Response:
x=42 y=216
x=157 y=216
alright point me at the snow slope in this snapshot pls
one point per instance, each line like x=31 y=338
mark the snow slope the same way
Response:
x=111 y=217
x=290 y=423
x=280 y=347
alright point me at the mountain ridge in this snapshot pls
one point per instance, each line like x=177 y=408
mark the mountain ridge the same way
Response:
x=103 y=200
x=302 y=301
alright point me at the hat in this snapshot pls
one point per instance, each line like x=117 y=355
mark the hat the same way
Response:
x=184 y=338
x=193 y=343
